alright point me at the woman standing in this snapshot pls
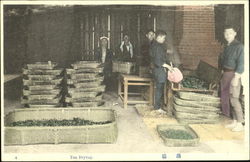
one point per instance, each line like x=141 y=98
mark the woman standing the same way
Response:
x=104 y=56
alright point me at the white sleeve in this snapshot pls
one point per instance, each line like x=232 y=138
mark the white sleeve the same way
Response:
x=121 y=46
x=131 y=50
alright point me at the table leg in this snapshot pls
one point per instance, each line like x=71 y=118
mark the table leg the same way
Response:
x=165 y=93
x=119 y=86
x=151 y=93
x=125 y=101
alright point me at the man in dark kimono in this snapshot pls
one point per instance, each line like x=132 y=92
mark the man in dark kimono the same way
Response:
x=159 y=60
x=104 y=56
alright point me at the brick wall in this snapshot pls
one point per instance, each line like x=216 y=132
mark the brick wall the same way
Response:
x=195 y=35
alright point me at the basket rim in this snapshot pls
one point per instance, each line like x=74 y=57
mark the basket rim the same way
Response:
x=162 y=127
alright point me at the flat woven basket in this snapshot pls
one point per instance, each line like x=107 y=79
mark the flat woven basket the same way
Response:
x=178 y=142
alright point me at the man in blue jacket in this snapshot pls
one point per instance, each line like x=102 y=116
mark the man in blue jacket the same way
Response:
x=231 y=62
x=159 y=60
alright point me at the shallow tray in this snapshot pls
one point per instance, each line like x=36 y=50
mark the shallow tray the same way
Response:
x=42 y=72
x=196 y=110
x=88 y=85
x=178 y=142
x=85 y=70
x=198 y=97
x=84 y=76
x=198 y=121
x=43 y=105
x=87 y=104
x=83 y=94
x=42 y=65
x=106 y=133
x=41 y=102
x=48 y=92
x=41 y=97
x=84 y=80
x=100 y=88
x=27 y=82
x=189 y=115
x=85 y=64
x=41 y=87
x=83 y=99
x=41 y=77
x=201 y=104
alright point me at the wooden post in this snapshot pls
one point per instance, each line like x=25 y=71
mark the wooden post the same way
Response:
x=125 y=93
x=165 y=93
x=151 y=93
x=169 y=100
x=119 y=86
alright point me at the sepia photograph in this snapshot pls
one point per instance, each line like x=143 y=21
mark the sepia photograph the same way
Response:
x=124 y=80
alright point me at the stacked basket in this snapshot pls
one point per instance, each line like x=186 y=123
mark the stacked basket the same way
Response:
x=84 y=82
x=196 y=108
x=42 y=85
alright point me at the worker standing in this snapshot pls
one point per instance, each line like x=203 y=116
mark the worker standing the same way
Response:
x=159 y=61
x=231 y=62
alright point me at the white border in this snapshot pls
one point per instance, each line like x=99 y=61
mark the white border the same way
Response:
x=65 y=157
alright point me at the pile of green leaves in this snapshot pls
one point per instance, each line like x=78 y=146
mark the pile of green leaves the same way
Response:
x=194 y=83
x=177 y=134
x=54 y=122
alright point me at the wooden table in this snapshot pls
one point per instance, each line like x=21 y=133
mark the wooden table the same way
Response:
x=133 y=80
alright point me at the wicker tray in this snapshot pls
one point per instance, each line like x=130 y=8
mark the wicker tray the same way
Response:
x=43 y=105
x=37 y=82
x=85 y=70
x=106 y=133
x=85 y=64
x=198 y=104
x=198 y=97
x=42 y=72
x=100 y=88
x=83 y=99
x=82 y=80
x=196 y=110
x=87 y=104
x=188 y=115
x=41 y=97
x=41 y=77
x=84 y=75
x=88 y=85
x=178 y=142
x=83 y=94
x=198 y=121
x=41 y=102
x=42 y=65
x=41 y=87
x=48 y=92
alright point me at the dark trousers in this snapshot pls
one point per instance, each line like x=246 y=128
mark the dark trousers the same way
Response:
x=225 y=92
x=159 y=94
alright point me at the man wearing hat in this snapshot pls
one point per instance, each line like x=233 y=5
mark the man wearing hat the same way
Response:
x=105 y=55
